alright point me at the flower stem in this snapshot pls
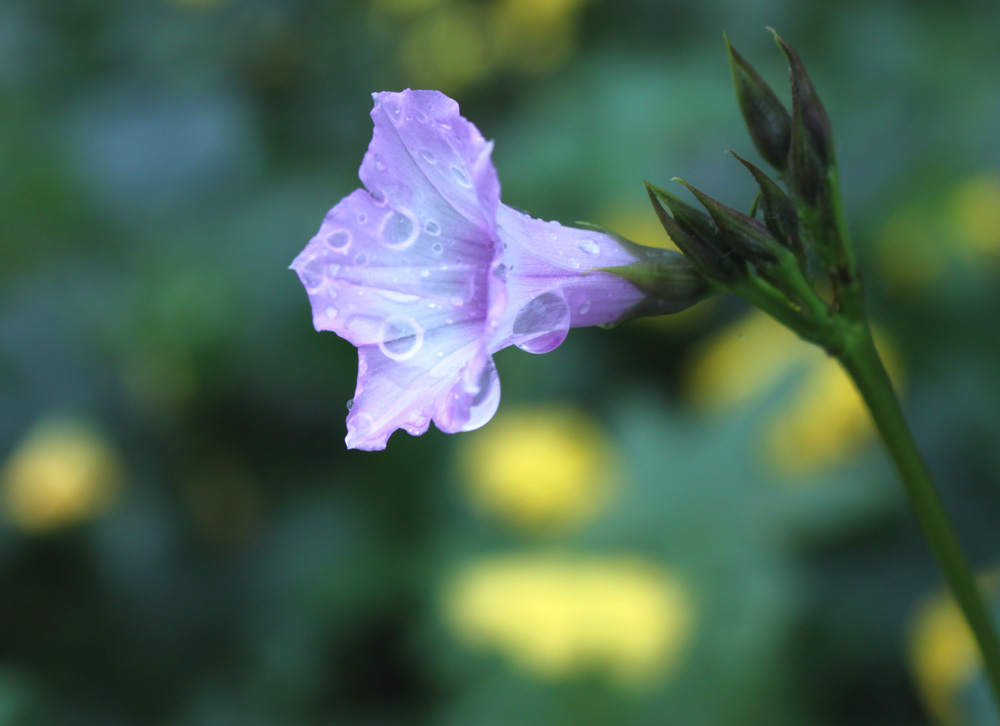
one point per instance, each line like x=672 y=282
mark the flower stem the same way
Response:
x=862 y=362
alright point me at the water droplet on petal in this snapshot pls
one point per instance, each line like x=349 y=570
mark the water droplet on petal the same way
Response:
x=339 y=239
x=429 y=157
x=487 y=398
x=311 y=274
x=421 y=116
x=362 y=218
x=575 y=264
x=402 y=298
x=456 y=301
x=331 y=312
x=361 y=259
x=585 y=307
x=379 y=164
x=399 y=230
x=542 y=324
x=432 y=227
x=589 y=246
x=311 y=281
x=425 y=273
x=350 y=403
x=461 y=177
x=400 y=337
x=437 y=248
x=500 y=272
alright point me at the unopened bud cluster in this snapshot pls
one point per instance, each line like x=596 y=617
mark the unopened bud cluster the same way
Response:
x=764 y=255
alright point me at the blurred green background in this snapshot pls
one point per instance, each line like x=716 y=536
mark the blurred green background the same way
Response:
x=679 y=521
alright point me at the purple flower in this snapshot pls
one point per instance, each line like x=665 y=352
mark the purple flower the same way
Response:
x=429 y=274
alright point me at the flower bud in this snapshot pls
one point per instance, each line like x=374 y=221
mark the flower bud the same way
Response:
x=746 y=235
x=812 y=117
x=780 y=215
x=811 y=152
x=767 y=119
x=696 y=235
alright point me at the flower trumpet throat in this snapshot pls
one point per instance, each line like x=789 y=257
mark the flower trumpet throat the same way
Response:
x=429 y=275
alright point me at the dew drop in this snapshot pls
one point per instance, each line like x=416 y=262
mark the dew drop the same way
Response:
x=456 y=301
x=542 y=324
x=311 y=281
x=429 y=157
x=339 y=239
x=395 y=296
x=575 y=264
x=400 y=337
x=311 y=274
x=461 y=177
x=589 y=246
x=421 y=116
x=361 y=259
x=350 y=403
x=437 y=248
x=362 y=218
x=585 y=307
x=379 y=164
x=500 y=272
x=399 y=230
x=331 y=312
x=425 y=273
x=432 y=227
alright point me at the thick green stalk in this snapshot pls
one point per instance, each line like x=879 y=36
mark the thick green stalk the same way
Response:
x=861 y=360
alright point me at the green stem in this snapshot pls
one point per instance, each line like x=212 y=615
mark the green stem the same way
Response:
x=861 y=360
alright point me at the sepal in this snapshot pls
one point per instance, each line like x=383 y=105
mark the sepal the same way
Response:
x=746 y=235
x=766 y=117
x=700 y=242
x=670 y=280
x=780 y=216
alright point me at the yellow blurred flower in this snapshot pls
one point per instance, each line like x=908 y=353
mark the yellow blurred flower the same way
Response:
x=533 y=35
x=823 y=421
x=741 y=360
x=447 y=50
x=920 y=243
x=63 y=472
x=943 y=653
x=556 y=616
x=538 y=469
x=975 y=212
x=452 y=44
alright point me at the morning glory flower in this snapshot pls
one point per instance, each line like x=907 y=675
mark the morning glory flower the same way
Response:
x=429 y=275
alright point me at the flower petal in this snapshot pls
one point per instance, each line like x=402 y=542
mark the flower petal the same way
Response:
x=459 y=389
x=424 y=154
